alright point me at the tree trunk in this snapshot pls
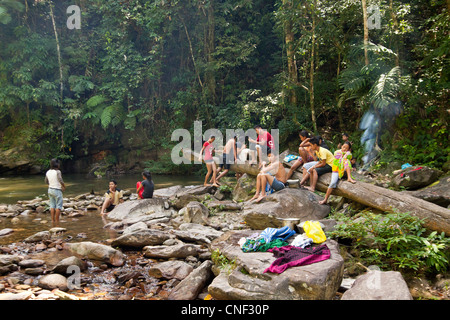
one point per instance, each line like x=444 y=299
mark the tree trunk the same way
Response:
x=58 y=50
x=366 y=31
x=312 y=69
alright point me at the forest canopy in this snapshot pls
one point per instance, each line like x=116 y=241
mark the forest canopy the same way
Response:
x=143 y=68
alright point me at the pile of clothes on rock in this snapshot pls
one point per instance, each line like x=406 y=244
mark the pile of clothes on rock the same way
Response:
x=298 y=252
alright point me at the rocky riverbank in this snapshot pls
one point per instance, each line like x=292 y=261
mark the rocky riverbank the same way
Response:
x=183 y=245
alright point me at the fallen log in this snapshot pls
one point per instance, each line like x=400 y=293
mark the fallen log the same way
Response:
x=435 y=217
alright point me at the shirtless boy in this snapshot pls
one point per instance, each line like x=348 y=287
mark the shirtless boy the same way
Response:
x=277 y=181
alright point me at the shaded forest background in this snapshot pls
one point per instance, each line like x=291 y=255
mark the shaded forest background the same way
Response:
x=115 y=89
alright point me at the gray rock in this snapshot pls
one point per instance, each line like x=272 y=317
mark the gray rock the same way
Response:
x=16 y=296
x=6 y=259
x=137 y=208
x=61 y=266
x=38 y=237
x=6 y=231
x=378 y=285
x=317 y=281
x=141 y=238
x=245 y=188
x=287 y=203
x=193 y=284
x=96 y=251
x=191 y=193
x=53 y=281
x=196 y=212
x=416 y=177
x=31 y=263
x=179 y=251
x=174 y=269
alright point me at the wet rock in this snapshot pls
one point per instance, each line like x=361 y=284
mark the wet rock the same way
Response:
x=6 y=259
x=138 y=226
x=96 y=251
x=16 y=296
x=379 y=285
x=31 y=263
x=53 y=281
x=179 y=251
x=193 y=284
x=287 y=203
x=38 y=237
x=174 y=269
x=194 y=232
x=438 y=192
x=196 y=212
x=141 y=238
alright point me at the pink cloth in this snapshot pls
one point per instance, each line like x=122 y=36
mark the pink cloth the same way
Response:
x=290 y=256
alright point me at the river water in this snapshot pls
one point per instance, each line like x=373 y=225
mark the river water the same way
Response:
x=15 y=188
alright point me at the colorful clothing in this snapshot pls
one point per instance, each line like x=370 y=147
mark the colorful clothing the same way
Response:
x=290 y=256
x=341 y=162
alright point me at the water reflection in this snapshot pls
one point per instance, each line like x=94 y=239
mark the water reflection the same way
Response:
x=88 y=227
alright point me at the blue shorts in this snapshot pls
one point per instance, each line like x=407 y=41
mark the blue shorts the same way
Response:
x=277 y=185
x=56 y=198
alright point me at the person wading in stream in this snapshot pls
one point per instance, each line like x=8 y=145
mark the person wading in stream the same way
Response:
x=56 y=187
x=113 y=197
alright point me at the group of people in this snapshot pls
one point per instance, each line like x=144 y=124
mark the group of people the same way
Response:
x=314 y=156
x=113 y=196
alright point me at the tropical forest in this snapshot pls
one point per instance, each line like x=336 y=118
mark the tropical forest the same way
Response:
x=99 y=87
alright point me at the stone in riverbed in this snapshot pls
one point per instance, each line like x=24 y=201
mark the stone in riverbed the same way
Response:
x=141 y=238
x=96 y=251
x=179 y=251
x=287 y=203
x=379 y=285
x=53 y=281
x=174 y=269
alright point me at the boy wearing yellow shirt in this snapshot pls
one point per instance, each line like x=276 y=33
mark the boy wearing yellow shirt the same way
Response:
x=313 y=170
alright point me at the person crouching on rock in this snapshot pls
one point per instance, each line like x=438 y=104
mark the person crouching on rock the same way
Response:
x=145 y=188
x=276 y=182
x=113 y=197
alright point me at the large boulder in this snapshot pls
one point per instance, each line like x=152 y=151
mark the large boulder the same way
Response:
x=287 y=203
x=138 y=208
x=172 y=269
x=245 y=188
x=97 y=251
x=416 y=177
x=317 y=281
x=378 y=285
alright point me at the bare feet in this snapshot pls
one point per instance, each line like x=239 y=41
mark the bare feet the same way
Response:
x=260 y=198
x=323 y=202
x=351 y=180
x=254 y=197
x=310 y=189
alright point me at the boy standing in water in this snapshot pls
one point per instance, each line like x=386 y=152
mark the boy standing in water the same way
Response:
x=113 y=197
x=209 y=161
x=56 y=187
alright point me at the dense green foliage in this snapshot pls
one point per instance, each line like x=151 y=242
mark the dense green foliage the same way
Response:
x=151 y=66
